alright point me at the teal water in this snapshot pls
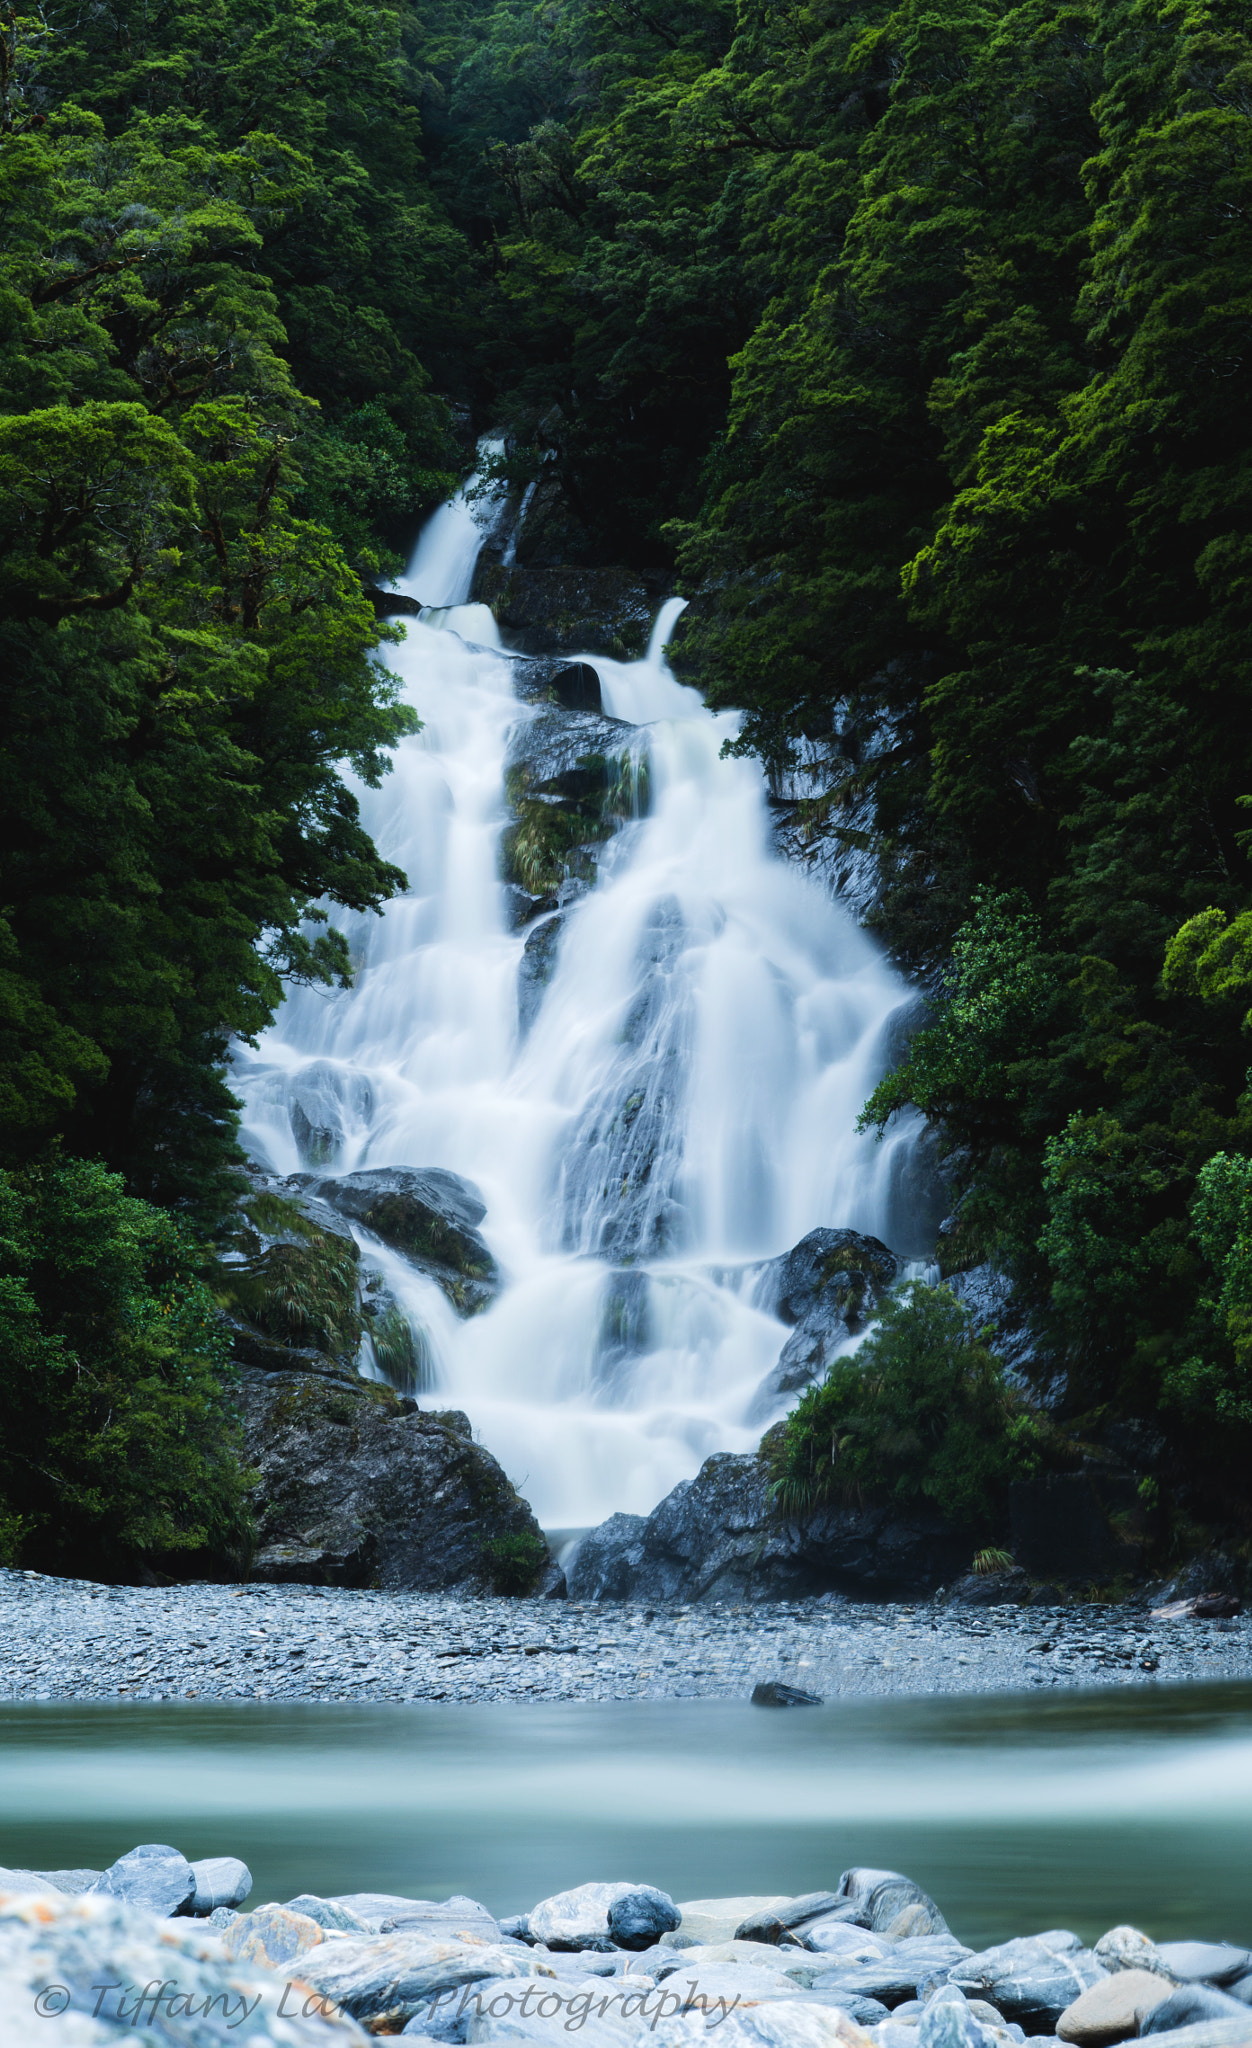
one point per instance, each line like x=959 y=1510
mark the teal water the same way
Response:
x=1016 y=1812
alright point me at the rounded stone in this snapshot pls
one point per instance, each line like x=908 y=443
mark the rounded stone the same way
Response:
x=1112 y=2009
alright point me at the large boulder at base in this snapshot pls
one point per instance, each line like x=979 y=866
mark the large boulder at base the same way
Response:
x=358 y=1488
x=829 y=1285
x=429 y=1215
x=719 y=1536
x=153 y=1876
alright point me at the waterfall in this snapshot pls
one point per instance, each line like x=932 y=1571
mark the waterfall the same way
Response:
x=680 y=1109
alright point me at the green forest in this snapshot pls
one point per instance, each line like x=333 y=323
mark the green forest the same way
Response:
x=913 y=344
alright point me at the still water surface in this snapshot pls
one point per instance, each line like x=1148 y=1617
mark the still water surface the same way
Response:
x=1017 y=1812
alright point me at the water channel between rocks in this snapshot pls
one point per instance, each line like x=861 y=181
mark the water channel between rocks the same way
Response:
x=1015 y=1814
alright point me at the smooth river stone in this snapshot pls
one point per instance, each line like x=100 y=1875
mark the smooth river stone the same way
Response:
x=745 y=1955
x=1113 y=2008
x=331 y=1914
x=454 y=1919
x=576 y=1918
x=398 y=1973
x=220 y=1881
x=1128 y=1948
x=153 y=1876
x=639 y=1918
x=768 y=2026
x=948 y=2022
x=897 y=1974
x=1031 y=1980
x=844 y=1940
x=273 y=1936
x=1209 y=1962
x=89 y=1943
x=1188 y=2004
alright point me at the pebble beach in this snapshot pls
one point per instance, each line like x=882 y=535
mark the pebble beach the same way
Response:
x=68 y=1639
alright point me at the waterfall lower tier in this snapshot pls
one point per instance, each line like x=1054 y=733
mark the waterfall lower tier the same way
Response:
x=673 y=1104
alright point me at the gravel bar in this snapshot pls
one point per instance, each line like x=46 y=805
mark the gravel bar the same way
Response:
x=70 y=1639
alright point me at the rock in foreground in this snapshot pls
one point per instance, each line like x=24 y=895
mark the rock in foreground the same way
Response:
x=870 y=1965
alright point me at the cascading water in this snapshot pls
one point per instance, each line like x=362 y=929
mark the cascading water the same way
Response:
x=681 y=1108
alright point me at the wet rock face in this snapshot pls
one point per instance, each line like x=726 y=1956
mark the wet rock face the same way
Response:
x=557 y=608
x=537 y=967
x=834 y=1274
x=619 y=1186
x=429 y=1215
x=829 y=1285
x=357 y=1488
x=720 y=1537
x=572 y=778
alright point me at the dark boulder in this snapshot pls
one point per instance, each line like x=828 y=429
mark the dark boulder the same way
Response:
x=572 y=778
x=719 y=1536
x=520 y=906
x=358 y=1488
x=429 y=1215
x=556 y=608
x=829 y=1285
x=608 y=1560
x=1008 y=1588
x=637 y=1918
x=771 y=1692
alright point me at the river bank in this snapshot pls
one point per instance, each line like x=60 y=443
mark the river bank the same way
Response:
x=68 y=1639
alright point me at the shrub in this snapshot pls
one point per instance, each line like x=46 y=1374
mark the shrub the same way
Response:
x=120 y=1445
x=515 y=1560
x=920 y=1412
x=302 y=1288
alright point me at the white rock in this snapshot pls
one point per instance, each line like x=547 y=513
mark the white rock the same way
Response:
x=220 y=1881
x=568 y=1919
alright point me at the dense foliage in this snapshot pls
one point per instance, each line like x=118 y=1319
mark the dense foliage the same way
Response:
x=119 y=1448
x=920 y=1415
x=914 y=340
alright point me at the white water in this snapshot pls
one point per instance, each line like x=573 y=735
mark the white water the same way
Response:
x=683 y=1106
